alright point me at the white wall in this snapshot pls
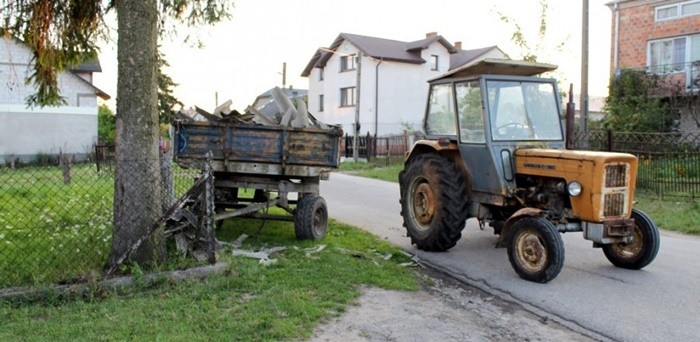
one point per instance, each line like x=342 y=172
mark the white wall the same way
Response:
x=25 y=132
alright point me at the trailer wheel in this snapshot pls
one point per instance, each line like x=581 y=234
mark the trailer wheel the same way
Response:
x=536 y=250
x=643 y=248
x=433 y=202
x=311 y=218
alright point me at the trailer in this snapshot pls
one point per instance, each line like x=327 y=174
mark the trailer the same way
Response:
x=256 y=167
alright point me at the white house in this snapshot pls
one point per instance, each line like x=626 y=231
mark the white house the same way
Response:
x=392 y=84
x=26 y=132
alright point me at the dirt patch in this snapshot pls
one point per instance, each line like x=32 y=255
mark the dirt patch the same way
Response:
x=443 y=310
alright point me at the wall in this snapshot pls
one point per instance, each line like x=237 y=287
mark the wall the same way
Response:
x=26 y=132
x=402 y=91
x=637 y=27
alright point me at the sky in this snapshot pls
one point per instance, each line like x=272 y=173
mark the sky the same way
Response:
x=243 y=57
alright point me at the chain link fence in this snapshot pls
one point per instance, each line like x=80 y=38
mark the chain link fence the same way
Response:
x=56 y=220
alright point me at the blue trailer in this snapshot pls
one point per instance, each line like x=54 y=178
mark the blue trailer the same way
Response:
x=256 y=167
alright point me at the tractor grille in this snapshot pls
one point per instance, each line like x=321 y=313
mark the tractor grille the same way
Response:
x=615 y=190
x=614 y=205
x=615 y=175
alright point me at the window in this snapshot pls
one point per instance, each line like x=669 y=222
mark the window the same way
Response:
x=673 y=54
x=522 y=111
x=681 y=9
x=347 y=97
x=441 y=113
x=433 y=62
x=471 y=117
x=320 y=74
x=347 y=63
x=320 y=102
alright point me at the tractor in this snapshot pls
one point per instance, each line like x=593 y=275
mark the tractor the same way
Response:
x=495 y=150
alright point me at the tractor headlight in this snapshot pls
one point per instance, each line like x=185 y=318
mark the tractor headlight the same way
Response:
x=574 y=188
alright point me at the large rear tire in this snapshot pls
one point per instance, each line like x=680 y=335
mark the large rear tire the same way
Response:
x=643 y=248
x=536 y=250
x=311 y=218
x=433 y=202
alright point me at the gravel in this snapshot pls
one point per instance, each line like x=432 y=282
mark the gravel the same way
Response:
x=443 y=310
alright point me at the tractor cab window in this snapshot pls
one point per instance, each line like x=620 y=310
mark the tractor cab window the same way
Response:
x=441 y=111
x=471 y=117
x=523 y=111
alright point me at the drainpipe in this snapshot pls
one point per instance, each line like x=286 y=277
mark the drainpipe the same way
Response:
x=376 y=95
x=616 y=43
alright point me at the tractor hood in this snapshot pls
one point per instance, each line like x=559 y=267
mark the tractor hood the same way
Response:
x=607 y=179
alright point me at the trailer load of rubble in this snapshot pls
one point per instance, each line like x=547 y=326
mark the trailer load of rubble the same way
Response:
x=287 y=115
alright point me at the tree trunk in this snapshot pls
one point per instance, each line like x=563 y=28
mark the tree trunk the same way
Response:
x=137 y=186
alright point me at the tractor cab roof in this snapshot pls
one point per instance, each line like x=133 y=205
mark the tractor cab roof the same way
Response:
x=493 y=66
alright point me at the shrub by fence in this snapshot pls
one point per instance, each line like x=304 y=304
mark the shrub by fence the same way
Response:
x=669 y=163
x=55 y=228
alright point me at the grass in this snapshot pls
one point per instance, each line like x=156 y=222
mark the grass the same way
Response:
x=51 y=231
x=677 y=214
x=252 y=302
x=384 y=169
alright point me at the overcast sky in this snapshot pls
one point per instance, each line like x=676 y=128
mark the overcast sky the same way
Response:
x=243 y=57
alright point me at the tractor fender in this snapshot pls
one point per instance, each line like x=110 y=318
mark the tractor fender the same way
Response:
x=504 y=238
x=447 y=149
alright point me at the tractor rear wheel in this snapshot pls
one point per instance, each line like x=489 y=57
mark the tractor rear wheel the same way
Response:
x=433 y=202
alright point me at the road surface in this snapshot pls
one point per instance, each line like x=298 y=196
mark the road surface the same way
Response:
x=659 y=303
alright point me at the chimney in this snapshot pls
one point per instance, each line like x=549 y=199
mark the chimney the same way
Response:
x=458 y=46
x=431 y=34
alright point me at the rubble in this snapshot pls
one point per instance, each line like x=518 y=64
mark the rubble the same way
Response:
x=288 y=114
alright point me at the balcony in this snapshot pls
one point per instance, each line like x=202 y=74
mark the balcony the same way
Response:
x=673 y=79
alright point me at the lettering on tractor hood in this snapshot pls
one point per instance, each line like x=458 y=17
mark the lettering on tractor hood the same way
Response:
x=540 y=166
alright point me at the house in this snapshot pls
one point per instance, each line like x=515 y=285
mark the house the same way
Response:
x=596 y=107
x=26 y=133
x=384 y=80
x=661 y=38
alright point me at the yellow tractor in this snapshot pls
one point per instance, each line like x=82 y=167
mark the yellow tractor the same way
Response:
x=495 y=151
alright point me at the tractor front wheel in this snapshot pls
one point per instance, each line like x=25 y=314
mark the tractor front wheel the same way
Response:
x=641 y=250
x=536 y=250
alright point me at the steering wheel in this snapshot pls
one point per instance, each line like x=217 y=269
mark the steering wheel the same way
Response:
x=509 y=130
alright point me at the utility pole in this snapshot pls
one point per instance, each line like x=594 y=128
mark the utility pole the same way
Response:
x=284 y=75
x=584 y=68
x=356 y=138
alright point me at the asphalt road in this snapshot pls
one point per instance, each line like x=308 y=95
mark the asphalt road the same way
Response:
x=659 y=303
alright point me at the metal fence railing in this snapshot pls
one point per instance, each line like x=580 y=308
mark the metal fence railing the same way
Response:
x=669 y=163
x=56 y=221
x=371 y=147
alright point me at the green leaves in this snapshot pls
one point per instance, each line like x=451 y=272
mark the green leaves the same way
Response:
x=631 y=108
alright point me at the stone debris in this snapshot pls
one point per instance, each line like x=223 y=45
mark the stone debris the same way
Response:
x=288 y=114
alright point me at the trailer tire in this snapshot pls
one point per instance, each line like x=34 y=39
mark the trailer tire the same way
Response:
x=433 y=202
x=311 y=218
x=639 y=252
x=536 y=250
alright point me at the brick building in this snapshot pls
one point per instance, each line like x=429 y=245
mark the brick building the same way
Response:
x=661 y=37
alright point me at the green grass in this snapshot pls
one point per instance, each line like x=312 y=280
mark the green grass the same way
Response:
x=677 y=214
x=51 y=231
x=383 y=169
x=252 y=302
